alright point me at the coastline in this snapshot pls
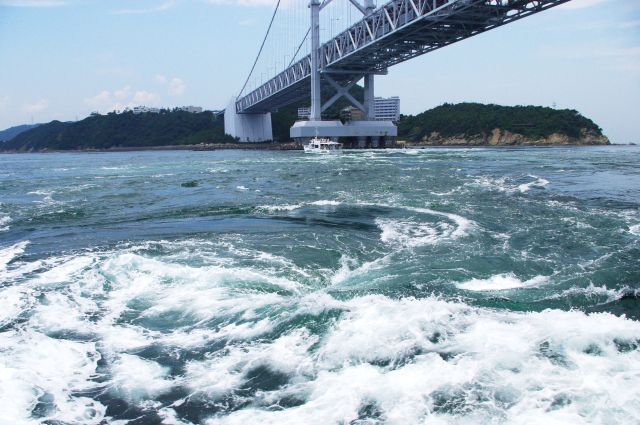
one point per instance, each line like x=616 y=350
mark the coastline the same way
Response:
x=290 y=146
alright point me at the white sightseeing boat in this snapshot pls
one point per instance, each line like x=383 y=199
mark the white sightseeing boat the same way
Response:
x=319 y=145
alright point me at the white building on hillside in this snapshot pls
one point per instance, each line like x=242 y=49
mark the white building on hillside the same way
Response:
x=192 y=109
x=145 y=109
x=387 y=109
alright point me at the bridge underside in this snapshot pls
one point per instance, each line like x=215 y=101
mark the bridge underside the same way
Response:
x=396 y=32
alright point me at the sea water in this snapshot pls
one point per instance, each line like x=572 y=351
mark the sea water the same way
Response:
x=436 y=286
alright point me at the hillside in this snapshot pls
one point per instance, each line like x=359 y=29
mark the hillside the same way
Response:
x=126 y=130
x=12 y=132
x=478 y=124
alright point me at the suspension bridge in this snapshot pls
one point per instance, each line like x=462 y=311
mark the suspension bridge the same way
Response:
x=334 y=44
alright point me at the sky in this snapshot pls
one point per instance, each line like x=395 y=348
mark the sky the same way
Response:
x=63 y=59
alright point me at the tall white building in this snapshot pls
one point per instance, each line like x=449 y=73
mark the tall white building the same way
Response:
x=387 y=109
x=304 y=113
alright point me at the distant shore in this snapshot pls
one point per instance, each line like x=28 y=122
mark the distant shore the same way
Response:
x=290 y=147
x=269 y=146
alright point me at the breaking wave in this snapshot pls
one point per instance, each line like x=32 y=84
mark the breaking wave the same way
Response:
x=501 y=282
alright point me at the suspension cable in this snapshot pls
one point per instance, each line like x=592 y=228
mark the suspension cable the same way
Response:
x=273 y=17
x=299 y=47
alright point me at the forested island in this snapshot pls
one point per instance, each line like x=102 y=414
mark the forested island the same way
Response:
x=446 y=125
x=476 y=124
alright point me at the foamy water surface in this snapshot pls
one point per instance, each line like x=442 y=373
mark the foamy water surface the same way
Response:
x=448 y=286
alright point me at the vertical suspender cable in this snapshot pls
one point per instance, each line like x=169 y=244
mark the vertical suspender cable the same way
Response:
x=261 y=47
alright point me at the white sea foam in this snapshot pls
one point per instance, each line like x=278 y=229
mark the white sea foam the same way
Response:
x=242 y=188
x=226 y=371
x=411 y=360
x=594 y=292
x=431 y=361
x=411 y=151
x=46 y=194
x=136 y=379
x=350 y=269
x=63 y=312
x=635 y=229
x=325 y=202
x=492 y=183
x=463 y=225
x=504 y=184
x=291 y=207
x=501 y=282
x=411 y=233
x=64 y=269
x=34 y=366
x=14 y=300
x=447 y=193
x=539 y=182
x=274 y=208
x=4 y=223
x=8 y=254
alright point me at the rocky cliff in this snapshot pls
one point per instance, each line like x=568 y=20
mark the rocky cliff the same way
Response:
x=500 y=137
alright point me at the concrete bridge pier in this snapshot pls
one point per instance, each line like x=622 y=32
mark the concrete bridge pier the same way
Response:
x=247 y=127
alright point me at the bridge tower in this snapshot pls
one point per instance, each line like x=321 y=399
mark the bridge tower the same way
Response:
x=378 y=133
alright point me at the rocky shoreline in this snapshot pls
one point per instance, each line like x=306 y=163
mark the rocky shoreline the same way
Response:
x=500 y=137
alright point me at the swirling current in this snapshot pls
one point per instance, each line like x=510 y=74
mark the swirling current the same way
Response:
x=435 y=286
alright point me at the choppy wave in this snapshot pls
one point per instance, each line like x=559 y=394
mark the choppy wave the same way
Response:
x=291 y=207
x=501 y=282
x=538 y=182
x=506 y=184
x=126 y=327
x=593 y=291
x=370 y=288
x=9 y=253
x=4 y=223
x=414 y=361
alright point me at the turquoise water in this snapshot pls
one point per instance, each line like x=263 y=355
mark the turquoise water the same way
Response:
x=436 y=286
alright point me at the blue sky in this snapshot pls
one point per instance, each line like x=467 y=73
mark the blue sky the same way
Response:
x=62 y=59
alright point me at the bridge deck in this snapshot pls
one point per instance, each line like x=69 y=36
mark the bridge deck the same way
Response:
x=396 y=32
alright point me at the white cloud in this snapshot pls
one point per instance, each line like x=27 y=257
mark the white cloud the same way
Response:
x=117 y=100
x=146 y=98
x=33 y=3
x=99 y=101
x=122 y=93
x=580 y=4
x=37 y=106
x=251 y=3
x=177 y=87
x=154 y=9
x=247 y=22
